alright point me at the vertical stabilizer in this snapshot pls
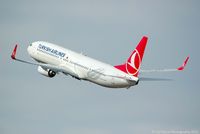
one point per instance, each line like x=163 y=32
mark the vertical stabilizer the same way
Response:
x=133 y=63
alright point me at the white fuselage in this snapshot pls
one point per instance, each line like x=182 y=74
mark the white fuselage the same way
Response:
x=80 y=66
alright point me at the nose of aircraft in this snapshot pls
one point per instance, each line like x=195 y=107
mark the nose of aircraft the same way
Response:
x=30 y=49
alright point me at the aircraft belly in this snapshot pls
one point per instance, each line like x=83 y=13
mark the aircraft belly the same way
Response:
x=111 y=82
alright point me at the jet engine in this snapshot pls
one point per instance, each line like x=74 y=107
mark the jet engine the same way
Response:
x=46 y=72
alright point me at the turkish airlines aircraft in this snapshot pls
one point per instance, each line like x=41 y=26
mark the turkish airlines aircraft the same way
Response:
x=52 y=59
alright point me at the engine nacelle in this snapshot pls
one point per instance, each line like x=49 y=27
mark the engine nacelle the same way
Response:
x=48 y=72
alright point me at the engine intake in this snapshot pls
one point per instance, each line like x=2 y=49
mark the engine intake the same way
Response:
x=46 y=72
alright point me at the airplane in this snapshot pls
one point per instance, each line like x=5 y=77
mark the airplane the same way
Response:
x=52 y=59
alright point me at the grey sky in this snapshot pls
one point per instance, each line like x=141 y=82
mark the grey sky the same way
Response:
x=108 y=31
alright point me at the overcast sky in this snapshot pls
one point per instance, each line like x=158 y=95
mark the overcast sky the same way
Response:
x=107 y=30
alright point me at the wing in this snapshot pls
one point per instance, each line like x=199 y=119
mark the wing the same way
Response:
x=47 y=66
x=181 y=68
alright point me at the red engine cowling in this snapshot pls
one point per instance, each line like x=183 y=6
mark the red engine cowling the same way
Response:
x=47 y=73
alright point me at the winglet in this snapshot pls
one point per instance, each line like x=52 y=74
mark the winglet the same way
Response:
x=184 y=64
x=13 y=56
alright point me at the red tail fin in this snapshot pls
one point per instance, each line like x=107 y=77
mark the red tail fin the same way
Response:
x=133 y=63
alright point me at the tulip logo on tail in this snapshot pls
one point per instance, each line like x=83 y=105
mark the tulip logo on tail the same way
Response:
x=133 y=63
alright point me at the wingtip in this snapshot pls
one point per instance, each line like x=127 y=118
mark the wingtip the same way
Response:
x=13 y=56
x=184 y=64
x=145 y=37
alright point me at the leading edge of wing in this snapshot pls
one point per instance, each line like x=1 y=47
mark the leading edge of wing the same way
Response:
x=181 y=68
x=47 y=66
